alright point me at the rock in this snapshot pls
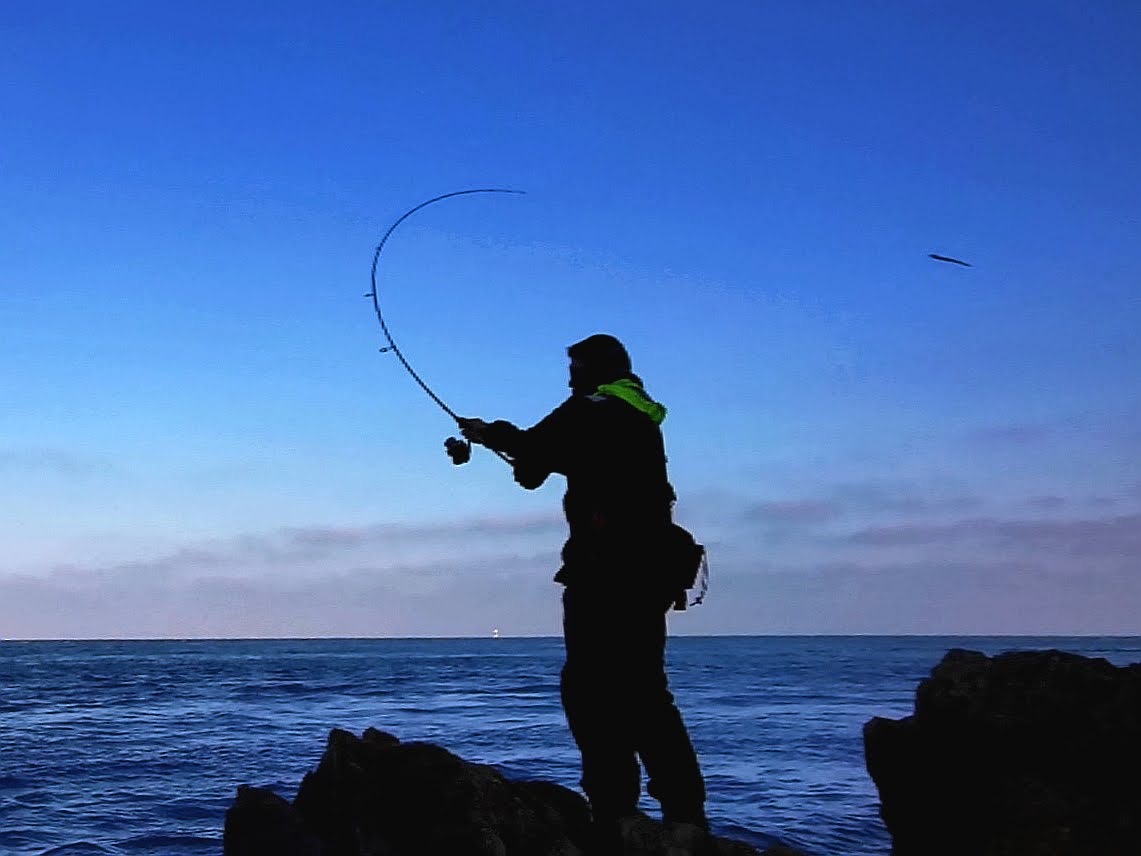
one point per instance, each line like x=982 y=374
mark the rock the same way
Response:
x=260 y=821
x=376 y=796
x=1032 y=753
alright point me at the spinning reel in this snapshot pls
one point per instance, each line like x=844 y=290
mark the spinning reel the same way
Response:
x=458 y=450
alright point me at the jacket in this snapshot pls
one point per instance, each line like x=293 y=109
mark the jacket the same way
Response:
x=610 y=448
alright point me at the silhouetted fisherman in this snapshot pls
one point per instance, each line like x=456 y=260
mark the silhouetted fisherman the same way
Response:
x=620 y=582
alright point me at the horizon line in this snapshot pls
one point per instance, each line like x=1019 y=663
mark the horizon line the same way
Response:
x=502 y=637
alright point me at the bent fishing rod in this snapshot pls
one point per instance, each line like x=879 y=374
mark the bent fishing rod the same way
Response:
x=458 y=450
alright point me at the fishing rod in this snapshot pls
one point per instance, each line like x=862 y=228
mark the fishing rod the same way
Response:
x=458 y=450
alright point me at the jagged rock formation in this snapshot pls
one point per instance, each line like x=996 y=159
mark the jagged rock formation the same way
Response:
x=1024 y=754
x=376 y=796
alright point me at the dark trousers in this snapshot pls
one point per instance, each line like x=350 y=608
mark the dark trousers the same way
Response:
x=619 y=707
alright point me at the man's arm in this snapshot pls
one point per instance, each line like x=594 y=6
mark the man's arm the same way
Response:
x=537 y=451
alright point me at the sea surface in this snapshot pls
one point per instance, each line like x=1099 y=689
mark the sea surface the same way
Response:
x=136 y=748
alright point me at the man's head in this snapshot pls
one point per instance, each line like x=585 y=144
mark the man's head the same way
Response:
x=596 y=360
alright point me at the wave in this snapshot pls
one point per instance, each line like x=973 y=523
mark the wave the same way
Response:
x=77 y=848
x=169 y=843
x=259 y=692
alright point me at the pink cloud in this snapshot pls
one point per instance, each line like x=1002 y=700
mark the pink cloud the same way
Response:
x=794 y=511
x=1046 y=503
x=1118 y=536
x=1009 y=435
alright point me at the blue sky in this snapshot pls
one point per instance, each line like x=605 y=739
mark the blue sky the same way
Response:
x=200 y=438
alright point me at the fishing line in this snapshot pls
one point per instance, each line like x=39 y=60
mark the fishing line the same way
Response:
x=392 y=346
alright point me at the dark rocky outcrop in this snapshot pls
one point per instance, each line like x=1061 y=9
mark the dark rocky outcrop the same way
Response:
x=377 y=796
x=1032 y=753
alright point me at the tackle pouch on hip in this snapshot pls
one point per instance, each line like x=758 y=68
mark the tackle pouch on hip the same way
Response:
x=684 y=561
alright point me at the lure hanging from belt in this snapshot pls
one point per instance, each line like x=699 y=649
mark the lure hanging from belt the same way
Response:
x=458 y=450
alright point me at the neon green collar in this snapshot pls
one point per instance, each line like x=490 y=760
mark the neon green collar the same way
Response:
x=630 y=392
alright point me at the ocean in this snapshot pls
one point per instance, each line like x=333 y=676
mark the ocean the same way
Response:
x=133 y=748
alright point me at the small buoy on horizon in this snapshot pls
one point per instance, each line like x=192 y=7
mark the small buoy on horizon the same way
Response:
x=495 y=633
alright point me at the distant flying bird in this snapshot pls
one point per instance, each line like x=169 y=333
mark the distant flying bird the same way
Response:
x=939 y=258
